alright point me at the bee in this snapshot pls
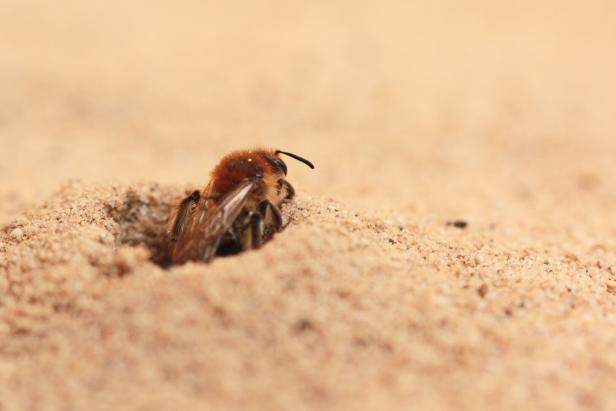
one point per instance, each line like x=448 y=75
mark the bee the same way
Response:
x=238 y=210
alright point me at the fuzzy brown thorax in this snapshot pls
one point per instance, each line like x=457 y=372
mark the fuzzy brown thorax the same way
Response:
x=240 y=165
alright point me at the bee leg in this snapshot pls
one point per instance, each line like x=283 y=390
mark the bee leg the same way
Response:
x=181 y=214
x=233 y=234
x=289 y=188
x=276 y=214
x=252 y=232
x=256 y=229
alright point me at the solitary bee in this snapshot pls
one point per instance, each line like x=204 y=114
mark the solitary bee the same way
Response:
x=238 y=210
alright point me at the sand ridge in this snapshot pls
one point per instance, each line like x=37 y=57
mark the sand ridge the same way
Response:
x=429 y=313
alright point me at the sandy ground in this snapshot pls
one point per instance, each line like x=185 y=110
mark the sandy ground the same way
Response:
x=500 y=114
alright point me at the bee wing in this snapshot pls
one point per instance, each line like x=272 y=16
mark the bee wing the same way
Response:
x=205 y=226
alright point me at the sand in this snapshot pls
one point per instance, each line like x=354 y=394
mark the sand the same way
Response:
x=416 y=116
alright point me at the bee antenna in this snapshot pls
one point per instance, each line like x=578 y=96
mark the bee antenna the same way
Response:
x=295 y=156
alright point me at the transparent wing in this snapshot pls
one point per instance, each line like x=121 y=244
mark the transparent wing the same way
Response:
x=205 y=226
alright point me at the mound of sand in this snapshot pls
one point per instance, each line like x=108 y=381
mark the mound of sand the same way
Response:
x=340 y=310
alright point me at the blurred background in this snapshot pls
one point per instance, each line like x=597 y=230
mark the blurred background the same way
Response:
x=454 y=107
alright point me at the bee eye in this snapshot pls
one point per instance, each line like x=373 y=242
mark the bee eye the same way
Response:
x=278 y=163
